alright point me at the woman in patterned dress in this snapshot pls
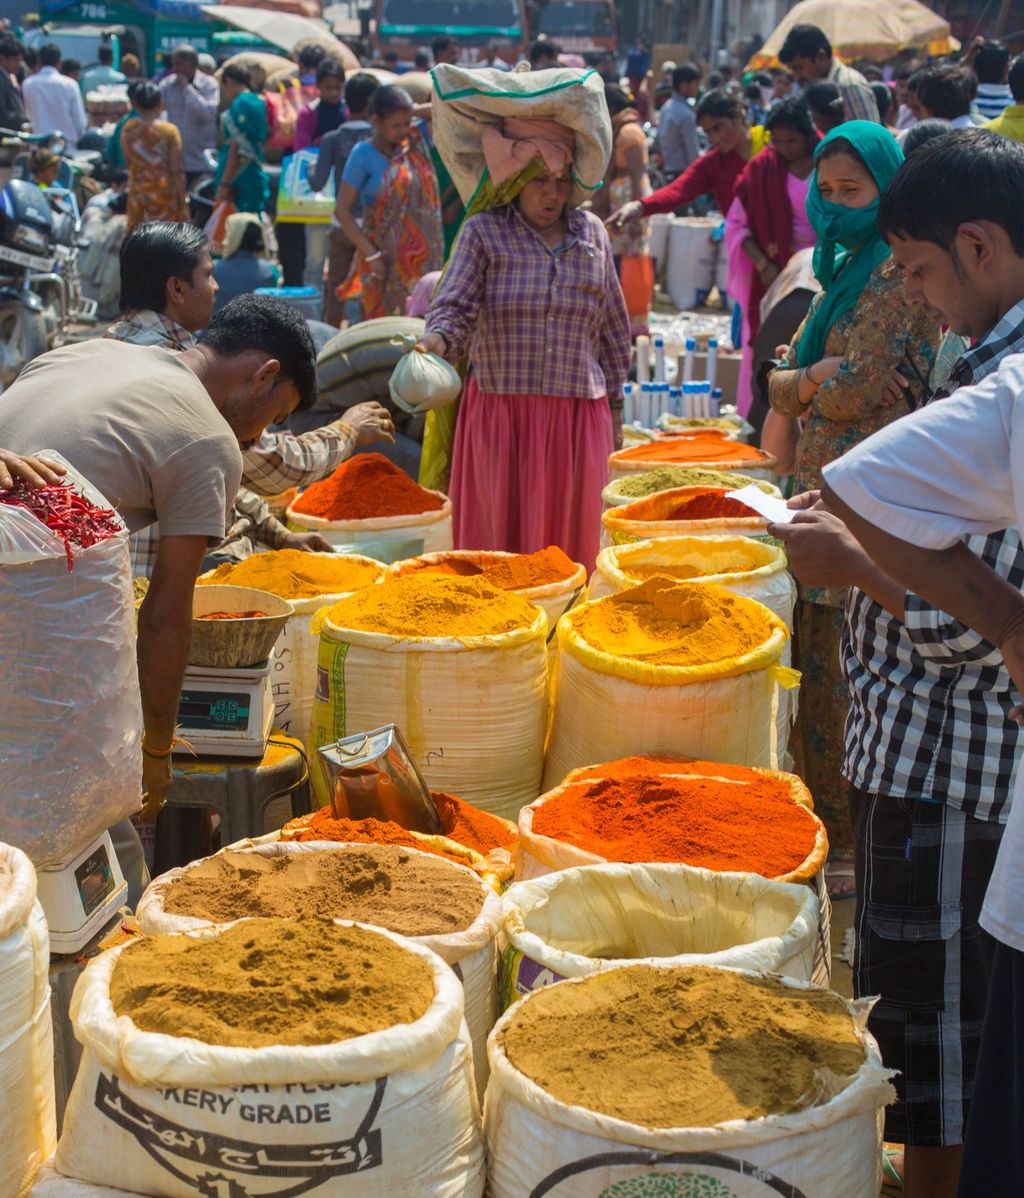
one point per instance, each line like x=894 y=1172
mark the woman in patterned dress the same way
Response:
x=153 y=158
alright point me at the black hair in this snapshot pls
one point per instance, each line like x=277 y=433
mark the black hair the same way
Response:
x=804 y=41
x=720 y=104
x=715 y=80
x=391 y=55
x=944 y=91
x=358 y=91
x=133 y=88
x=41 y=157
x=686 y=72
x=49 y=55
x=105 y=55
x=922 y=132
x=31 y=58
x=252 y=238
x=763 y=79
x=146 y=96
x=782 y=73
x=68 y=66
x=185 y=53
x=153 y=253
x=991 y=62
x=421 y=59
x=389 y=99
x=261 y=322
x=617 y=98
x=883 y=98
x=1017 y=79
x=969 y=175
x=237 y=73
x=10 y=47
x=329 y=69
x=842 y=145
x=792 y=114
x=826 y=100
x=311 y=56
x=904 y=72
x=440 y=44
x=117 y=174
x=543 y=48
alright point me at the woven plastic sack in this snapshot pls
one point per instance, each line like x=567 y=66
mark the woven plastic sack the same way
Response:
x=391 y=1112
x=50 y=1184
x=467 y=100
x=71 y=718
x=759 y=465
x=607 y=707
x=586 y=920
x=612 y=495
x=538 y=1145
x=356 y=364
x=473 y=711
x=296 y=199
x=647 y=519
x=28 y=1127
x=472 y=953
x=421 y=381
x=386 y=538
x=753 y=568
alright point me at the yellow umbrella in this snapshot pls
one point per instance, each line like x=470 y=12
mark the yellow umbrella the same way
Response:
x=874 y=29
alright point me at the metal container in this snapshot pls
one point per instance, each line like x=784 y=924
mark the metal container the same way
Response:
x=373 y=776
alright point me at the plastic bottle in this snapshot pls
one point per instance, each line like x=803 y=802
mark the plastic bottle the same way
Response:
x=691 y=349
x=712 y=360
x=716 y=401
x=643 y=360
x=659 y=360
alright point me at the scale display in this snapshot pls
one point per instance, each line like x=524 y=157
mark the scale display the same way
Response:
x=94 y=879
x=214 y=711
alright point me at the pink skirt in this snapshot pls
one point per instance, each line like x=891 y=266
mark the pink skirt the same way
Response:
x=528 y=471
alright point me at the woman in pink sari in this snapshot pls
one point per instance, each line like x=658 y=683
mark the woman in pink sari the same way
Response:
x=767 y=221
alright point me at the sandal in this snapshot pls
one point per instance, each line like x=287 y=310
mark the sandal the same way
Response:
x=840 y=880
x=892 y=1179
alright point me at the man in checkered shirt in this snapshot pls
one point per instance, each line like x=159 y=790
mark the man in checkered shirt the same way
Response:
x=930 y=746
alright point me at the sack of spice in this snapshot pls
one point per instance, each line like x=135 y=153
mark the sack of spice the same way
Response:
x=684 y=1080
x=681 y=511
x=702 y=451
x=434 y=902
x=686 y=668
x=369 y=500
x=50 y=1184
x=459 y=665
x=28 y=1125
x=589 y=919
x=71 y=720
x=548 y=577
x=307 y=581
x=422 y=381
x=639 y=484
x=183 y=1078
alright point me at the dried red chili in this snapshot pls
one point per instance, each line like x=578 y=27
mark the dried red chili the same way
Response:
x=66 y=513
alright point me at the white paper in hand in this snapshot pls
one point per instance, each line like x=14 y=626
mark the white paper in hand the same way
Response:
x=774 y=510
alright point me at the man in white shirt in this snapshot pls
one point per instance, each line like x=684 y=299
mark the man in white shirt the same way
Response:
x=191 y=101
x=677 y=122
x=103 y=73
x=52 y=100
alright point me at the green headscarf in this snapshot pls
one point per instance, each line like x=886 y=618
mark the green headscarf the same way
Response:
x=853 y=232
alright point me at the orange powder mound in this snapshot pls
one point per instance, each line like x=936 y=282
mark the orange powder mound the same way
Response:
x=468 y=825
x=749 y=824
x=519 y=572
x=703 y=447
x=366 y=487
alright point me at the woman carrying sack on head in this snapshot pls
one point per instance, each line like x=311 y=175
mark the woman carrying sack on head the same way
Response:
x=857 y=332
x=240 y=176
x=391 y=180
x=531 y=296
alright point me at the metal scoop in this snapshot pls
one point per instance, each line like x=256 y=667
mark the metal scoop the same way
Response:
x=373 y=777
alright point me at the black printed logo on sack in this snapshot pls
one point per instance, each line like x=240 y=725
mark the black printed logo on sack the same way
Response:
x=219 y=1167
x=692 y=1181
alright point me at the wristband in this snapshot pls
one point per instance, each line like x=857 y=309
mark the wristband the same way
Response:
x=616 y=405
x=150 y=752
x=374 y=257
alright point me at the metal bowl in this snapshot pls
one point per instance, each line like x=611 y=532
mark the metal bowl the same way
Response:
x=235 y=644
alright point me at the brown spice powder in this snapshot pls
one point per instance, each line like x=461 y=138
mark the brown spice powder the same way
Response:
x=685 y=1047
x=271 y=981
x=386 y=885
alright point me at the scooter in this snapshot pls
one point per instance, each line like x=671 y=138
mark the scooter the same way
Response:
x=40 y=283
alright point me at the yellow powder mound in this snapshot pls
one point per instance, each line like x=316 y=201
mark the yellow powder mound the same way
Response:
x=293 y=574
x=434 y=605
x=675 y=624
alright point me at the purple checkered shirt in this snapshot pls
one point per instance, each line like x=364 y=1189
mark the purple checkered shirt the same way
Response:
x=535 y=321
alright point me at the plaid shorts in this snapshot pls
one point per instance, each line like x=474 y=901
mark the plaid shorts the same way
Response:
x=922 y=871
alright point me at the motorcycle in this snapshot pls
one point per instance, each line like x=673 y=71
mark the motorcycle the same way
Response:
x=40 y=281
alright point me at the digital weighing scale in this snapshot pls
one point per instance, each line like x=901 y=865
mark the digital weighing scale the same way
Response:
x=226 y=712
x=81 y=897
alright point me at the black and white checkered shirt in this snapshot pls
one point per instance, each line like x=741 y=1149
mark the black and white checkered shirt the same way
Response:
x=930 y=699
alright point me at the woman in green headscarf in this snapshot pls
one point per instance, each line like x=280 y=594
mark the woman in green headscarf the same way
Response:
x=857 y=332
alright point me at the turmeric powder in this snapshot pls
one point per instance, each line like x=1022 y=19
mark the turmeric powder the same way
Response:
x=675 y=623
x=429 y=605
x=293 y=574
x=510 y=572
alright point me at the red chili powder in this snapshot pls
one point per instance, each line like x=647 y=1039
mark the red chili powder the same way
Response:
x=712 y=505
x=751 y=825
x=365 y=487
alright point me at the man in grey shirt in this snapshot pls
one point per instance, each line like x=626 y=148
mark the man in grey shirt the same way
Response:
x=677 y=125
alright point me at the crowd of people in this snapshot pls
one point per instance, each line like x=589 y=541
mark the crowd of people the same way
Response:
x=880 y=216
